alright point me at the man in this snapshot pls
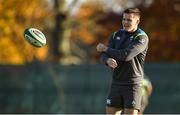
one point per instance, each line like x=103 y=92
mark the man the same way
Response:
x=147 y=89
x=125 y=54
x=146 y=93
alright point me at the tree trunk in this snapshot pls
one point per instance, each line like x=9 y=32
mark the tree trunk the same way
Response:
x=58 y=30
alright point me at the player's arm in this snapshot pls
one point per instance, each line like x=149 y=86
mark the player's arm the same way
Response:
x=131 y=51
x=104 y=56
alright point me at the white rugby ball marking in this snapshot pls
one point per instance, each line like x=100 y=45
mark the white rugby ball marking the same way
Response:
x=38 y=35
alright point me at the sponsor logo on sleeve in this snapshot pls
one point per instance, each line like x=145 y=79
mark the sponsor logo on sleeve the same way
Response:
x=142 y=41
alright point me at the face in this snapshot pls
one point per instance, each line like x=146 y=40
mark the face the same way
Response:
x=130 y=22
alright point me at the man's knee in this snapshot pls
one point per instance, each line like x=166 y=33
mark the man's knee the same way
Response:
x=113 y=110
x=130 y=111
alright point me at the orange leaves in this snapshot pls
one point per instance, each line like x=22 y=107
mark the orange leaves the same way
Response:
x=9 y=52
x=88 y=11
x=162 y=26
x=86 y=36
x=16 y=15
x=87 y=28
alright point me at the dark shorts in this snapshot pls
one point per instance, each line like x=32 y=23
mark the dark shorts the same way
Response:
x=125 y=96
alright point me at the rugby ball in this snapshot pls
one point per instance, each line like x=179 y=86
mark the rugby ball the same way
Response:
x=35 y=37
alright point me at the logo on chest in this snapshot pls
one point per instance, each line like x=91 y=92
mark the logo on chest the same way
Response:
x=118 y=38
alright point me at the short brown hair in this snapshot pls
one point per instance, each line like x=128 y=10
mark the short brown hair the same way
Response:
x=135 y=11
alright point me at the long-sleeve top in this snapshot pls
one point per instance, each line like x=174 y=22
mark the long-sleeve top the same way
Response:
x=129 y=50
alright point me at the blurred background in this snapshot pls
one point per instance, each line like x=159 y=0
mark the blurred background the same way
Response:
x=66 y=76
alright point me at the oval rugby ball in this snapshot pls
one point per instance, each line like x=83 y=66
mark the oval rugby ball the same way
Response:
x=35 y=37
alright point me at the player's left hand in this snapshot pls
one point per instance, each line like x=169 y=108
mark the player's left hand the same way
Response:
x=101 y=47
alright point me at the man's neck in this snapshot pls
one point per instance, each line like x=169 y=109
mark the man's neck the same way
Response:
x=133 y=30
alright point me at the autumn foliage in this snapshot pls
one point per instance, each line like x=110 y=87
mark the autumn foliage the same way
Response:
x=91 y=25
x=16 y=16
x=160 y=21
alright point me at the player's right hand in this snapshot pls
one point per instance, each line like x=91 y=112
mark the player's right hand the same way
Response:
x=101 y=47
x=112 y=63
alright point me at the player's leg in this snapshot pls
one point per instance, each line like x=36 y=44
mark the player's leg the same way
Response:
x=132 y=99
x=119 y=112
x=130 y=111
x=114 y=101
x=144 y=103
x=113 y=110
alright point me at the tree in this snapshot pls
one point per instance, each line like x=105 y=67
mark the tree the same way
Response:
x=161 y=20
x=17 y=15
x=61 y=43
x=95 y=21
x=162 y=26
